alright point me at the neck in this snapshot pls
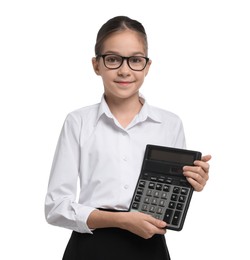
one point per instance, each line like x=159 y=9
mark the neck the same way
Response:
x=124 y=109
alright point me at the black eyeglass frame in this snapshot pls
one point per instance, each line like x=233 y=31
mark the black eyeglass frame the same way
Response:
x=123 y=58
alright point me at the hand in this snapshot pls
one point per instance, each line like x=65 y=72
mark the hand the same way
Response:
x=197 y=175
x=142 y=224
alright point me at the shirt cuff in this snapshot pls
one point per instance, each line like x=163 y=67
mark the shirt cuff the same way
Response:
x=82 y=214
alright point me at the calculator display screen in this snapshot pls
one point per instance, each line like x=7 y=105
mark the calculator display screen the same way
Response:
x=167 y=156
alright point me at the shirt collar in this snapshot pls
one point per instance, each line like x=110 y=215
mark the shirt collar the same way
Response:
x=103 y=109
x=146 y=111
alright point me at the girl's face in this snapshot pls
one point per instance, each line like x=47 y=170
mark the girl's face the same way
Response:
x=122 y=83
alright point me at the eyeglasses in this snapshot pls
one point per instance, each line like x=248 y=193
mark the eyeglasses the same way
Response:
x=113 y=61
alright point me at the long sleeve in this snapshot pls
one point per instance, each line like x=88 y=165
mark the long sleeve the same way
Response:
x=179 y=141
x=106 y=160
x=61 y=208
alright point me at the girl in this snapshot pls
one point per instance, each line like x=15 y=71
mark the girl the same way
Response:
x=103 y=145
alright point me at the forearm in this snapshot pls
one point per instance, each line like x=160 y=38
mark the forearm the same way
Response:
x=105 y=219
x=138 y=223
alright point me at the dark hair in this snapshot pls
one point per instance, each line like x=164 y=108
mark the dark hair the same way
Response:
x=115 y=24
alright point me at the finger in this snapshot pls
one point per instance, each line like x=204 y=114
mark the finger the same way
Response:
x=197 y=186
x=158 y=226
x=199 y=176
x=203 y=166
x=206 y=158
x=162 y=231
x=157 y=222
x=196 y=177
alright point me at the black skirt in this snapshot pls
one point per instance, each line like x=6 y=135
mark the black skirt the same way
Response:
x=114 y=244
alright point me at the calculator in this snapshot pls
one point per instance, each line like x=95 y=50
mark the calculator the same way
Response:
x=162 y=190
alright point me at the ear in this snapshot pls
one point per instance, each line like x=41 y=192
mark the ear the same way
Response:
x=147 y=67
x=95 y=65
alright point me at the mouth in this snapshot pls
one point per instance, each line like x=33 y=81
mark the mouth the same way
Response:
x=123 y=83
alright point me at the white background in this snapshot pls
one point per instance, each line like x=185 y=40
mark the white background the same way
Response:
x=200 y=70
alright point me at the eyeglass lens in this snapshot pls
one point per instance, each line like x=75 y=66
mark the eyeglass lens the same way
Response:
x=134 y=62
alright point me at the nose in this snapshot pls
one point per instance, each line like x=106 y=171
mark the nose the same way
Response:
x=124 y=69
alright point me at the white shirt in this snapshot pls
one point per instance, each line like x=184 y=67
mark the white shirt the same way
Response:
x=106 y=158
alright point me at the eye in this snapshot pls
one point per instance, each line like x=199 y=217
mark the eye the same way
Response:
x=136 y=59
x=113 y=59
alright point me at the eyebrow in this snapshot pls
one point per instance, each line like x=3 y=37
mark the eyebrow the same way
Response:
x=117 y=53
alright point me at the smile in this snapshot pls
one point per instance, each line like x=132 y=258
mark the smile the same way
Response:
x=123 y=83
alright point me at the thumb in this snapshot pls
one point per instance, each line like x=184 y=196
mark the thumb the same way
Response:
x=206 y=158
x=159 y=223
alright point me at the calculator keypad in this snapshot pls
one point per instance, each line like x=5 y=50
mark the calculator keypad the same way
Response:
x=162 y=197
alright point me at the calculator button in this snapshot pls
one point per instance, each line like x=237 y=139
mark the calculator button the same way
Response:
x=135 y=205
x=161 y=179
x=154 y=201
x=139 y=191
x=164 y=195
x=171 y=205
x=145 y=175
x=147 y=200
x=157 y=194
x=142 y=184
x=168 y=215
x=182 y=198
x=176 y=218
x=174 y=197
x=184 y=191
x=158 y=186
x=176 y=190
x=152 y=209
x=137 y=198
x=166 y=188
x=149 y=192
x=162 y=203
x=151 y=185
x=179 y=206
x=169 y=180
x=159 y=210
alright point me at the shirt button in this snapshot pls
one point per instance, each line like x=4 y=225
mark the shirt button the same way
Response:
x=124 y=158
x=126 y=186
